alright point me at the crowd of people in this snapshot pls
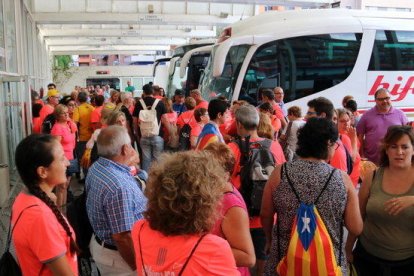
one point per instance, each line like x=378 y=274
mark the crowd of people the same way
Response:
x=224 y=184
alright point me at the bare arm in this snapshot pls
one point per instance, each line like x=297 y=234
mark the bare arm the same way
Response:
x=352 y=217
x=283 y=122
x=363 y=196
x=125 y=247
x=193 y=141
x=267 y=211
x=354 y=142
x=361 y=145
x=235 y=227
x=60 y=266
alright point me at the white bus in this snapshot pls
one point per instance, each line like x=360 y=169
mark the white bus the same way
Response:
x=312 y=53
x=186 y=66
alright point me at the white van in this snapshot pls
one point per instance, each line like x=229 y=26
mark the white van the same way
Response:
x=311 y=53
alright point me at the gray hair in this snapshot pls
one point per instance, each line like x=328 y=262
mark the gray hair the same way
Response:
x=111 y=140
x=248 y=117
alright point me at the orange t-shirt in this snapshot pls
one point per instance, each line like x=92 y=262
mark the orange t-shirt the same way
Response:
x=277 y=152
x=46 y=110
x=166 y=255
x=187 y=117
x=276 y=123
x=37 y=125
x=339 y=159
x=96 y=114
x=38 y=237
x=202 y=104
x=277 y=111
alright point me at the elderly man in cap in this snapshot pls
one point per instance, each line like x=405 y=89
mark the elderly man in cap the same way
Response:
x=52 y=101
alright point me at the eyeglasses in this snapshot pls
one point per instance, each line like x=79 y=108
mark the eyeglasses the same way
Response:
x=383 y=99
x=310 y=113
x=205 y=114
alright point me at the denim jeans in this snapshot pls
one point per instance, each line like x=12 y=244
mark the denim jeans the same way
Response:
x=151 y=148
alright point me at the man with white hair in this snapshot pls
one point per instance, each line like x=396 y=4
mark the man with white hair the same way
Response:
x=247 y=121
x=279 y=95
x=114 y=202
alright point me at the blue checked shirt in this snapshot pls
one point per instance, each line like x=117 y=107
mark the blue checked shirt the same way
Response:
x=114 y=201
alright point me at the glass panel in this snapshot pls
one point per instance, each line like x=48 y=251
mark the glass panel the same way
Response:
x=174 y=81
x=2 y=49
x=301 y=65
x=29 y=37
x=393 y=51
x=13 y=112
x=137 y=83
x=223 y=86
x=10 y=25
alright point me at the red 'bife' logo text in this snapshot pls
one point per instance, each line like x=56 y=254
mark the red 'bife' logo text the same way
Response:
x=396 y=90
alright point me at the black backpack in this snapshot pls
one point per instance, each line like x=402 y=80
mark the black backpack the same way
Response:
x=257 y=163
x=8 y=265
x=184 y=137
x=48 y=123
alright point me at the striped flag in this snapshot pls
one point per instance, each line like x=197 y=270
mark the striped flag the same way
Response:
x=310 y=250
x=209 y=134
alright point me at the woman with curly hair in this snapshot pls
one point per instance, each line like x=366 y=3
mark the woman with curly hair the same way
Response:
x=44 y=241
x=183 y=198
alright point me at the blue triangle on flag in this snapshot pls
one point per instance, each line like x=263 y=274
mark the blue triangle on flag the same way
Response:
x=306 y=224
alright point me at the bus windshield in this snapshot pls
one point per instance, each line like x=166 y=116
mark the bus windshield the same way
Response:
x=212 y=87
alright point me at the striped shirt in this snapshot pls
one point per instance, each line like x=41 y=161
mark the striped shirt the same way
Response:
x=114 y=201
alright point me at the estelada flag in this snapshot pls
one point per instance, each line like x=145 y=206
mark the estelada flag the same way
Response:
x=310 y=250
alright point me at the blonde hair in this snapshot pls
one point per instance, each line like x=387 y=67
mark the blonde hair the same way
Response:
x=265 y=129
x=59 y=109
x=113 y=117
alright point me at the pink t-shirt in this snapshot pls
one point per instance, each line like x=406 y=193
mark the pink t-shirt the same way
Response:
x=230 y=200
x=165 y=255
x=68 y=134
x=38 y=237
x=172 y=119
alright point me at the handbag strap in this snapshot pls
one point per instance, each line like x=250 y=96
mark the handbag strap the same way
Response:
x=288 y=130
x=11 y=229
x=186 y=262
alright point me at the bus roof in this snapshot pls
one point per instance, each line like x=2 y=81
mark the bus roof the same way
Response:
x=272 y=22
